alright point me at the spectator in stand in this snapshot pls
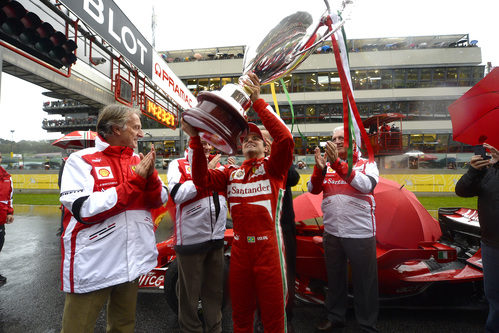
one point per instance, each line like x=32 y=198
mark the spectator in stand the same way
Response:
x=301 y=165
x=384 y=135
x=6 y=207
x=482 y=180
x=349 y=232
x=253 y=191
x=108 y=239
x=200 y=217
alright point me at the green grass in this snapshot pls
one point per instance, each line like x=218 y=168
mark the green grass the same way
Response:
x=36 y=199
x=430 y=203
x=434 y=203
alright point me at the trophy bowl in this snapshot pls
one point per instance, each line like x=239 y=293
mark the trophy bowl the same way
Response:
x=220 y=116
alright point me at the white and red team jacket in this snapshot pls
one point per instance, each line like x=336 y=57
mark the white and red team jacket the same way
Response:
x=200 y=215
x=108 y=235
x=348 y=203
x=6 y=190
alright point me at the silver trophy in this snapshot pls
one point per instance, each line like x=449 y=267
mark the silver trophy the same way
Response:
x=220 y=116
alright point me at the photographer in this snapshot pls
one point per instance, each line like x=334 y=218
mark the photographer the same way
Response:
x=482 y=180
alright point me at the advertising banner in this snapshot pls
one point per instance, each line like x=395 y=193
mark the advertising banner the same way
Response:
x=110 y=23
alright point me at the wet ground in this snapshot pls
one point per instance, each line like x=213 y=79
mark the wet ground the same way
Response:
x=31 y=300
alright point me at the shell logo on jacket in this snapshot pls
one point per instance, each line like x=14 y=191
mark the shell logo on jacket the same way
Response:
x=104 y=172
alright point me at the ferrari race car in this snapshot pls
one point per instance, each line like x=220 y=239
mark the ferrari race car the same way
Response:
x=414 y=251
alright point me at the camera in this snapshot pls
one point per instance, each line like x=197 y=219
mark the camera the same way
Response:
x=480 y=150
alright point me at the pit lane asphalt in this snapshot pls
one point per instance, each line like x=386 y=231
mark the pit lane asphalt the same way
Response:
x=31 y=300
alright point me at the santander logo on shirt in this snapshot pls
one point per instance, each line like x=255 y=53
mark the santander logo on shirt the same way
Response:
x=249 y=190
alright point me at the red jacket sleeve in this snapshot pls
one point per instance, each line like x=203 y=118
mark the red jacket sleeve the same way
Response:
x=213 y=179
x=153 y=191
x=316 y=180
x=341 y=168
x=281 y=156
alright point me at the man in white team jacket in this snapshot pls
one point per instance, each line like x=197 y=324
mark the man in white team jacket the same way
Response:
x=108 y=239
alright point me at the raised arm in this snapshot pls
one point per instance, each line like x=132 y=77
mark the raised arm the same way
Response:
x=281 y=156
x=215 y=179
x=314 y=185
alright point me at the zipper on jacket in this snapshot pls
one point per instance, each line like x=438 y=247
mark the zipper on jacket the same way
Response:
x=211 y=217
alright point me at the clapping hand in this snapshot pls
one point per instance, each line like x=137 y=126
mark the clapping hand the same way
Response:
x=146 y=166
x=214 y=161
x=331 y=151
x=320 y=160
x=231 y=160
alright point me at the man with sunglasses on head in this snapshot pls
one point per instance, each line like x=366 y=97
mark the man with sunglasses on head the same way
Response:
x=254 y=193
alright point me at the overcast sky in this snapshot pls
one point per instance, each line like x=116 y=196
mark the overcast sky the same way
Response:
x=202 y=23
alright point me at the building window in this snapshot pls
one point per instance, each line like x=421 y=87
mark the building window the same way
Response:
x=334 y=82
x=464 y=76
x=310 y=82
x=225 y=80
x=451 y=79
x=287 y=81
x=214 y=84
x=399 y=78
x=443 y=143
x=203 y=84
x=362 y=79
x=323 y=81
x=439 y=77
x=477 y=74
x=192 y=85
x=374 y=77
x=412 y=78
x=386 y=79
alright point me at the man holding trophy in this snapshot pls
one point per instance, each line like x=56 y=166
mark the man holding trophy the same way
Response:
x=254 y=193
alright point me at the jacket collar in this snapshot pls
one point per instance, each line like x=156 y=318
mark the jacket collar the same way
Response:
x=102 y=145
x=252 y=161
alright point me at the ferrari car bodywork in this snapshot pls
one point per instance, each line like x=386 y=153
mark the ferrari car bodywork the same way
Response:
x=402 y=270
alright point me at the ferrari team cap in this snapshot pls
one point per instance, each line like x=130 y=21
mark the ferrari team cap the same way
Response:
x=252 y=129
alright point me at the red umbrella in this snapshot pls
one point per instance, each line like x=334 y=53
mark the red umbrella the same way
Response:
x=475 y=115
x=401 y=220
x=307 y=206
x=76 y=140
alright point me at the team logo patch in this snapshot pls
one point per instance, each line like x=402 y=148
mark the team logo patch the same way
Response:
x=329 y=169
x=249 y=190
x=238 y=174
x=133 y=167
x=188 y=169
x=104 y=172
x=258 y=171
